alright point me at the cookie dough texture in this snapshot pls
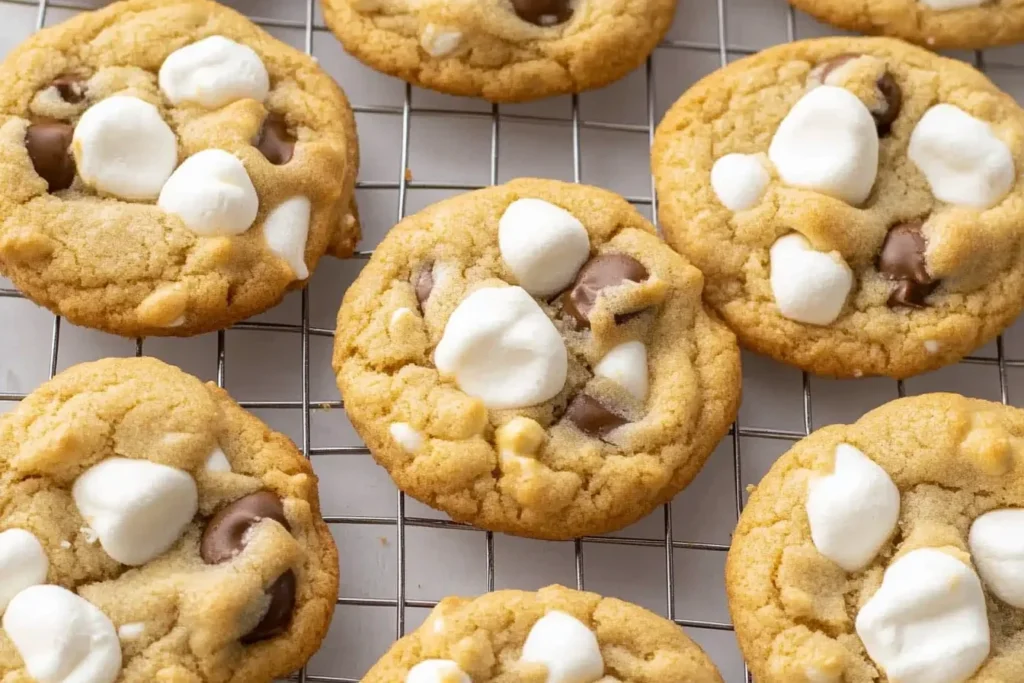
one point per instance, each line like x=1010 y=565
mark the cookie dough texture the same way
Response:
x=130 y=267
x=485 y=636
x=570 y=483
x=976 y=254
x=972 y=25
x=485 y=49
x=184 y=618
x=952 y=458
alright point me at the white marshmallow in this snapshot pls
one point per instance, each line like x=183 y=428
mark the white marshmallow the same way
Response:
x=501 y=347
x=961 y=158
x=439 y=41
x=997 y=548
x=828 y=143
x=23 y=563
x=285 y=231
x=852 y=511
x=544 y=245
x=61 y=637
x=739 y=181
x=131 y=631
x=437 y=671
x=213 y=72
x=138 y=508
x=123 y=147
x=809 y=286
x=927 y=622
x=626 y=365
x=566 y=647
x=932 y=346
x=406 y=436
x=217 y=461
x=942 y=5
x=212 y=193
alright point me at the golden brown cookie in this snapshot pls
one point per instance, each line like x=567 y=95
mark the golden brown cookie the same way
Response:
x=532 y=358
x=502 y=50
x=888 y=550
x=555 y=635
x=170 y=185
x=854 y=203
x=156 y=532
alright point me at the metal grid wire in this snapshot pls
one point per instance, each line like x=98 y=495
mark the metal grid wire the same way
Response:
x=401 y=521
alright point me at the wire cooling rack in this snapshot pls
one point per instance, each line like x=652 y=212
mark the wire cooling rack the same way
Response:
x=399 y=557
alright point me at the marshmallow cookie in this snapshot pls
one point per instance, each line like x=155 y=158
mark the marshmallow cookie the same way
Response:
x=891 y=550
x=854 y=204
x=153 y=531
x=173 y=185
x=555 y=635
x=531 y=358
x=502 y=50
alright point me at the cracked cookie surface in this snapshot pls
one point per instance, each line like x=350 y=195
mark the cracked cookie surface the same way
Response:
x=170 y=186
x=854 y=203
x=502 y=50
x=224 y=569
x=573 y=408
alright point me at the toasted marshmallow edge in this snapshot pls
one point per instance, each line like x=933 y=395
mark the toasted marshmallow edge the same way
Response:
x=996 y=541
x=565 y=645
x=739 y=181
x=214 y=72
x=212 y=194
x=626 y=365
x=544 y=245
x=809 y=286
x=406 y=436
x=23 y=563
x=941 y=5
x=285 y=232
x=437 y=671
x=853 y=511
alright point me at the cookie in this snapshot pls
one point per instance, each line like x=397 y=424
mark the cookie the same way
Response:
x=173 y=185
x=937 y=24
x=531 y=358
x=888 y=550
x=502 y=50
x=554 y=635
x=152 y=530
x=854 y=204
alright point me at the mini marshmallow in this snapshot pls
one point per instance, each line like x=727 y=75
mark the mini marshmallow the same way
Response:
x=626 y=365
x=406 y=436
x=61 y=637
x=213 y=72
x=828 y=143
x=23 y=563
x=961 y=158
x=942 y=5
x=544 y=245
x=217 y=461
x=501 y=347
x=852 y=511
x=439 y=41
x=566 y=647
x=123 y=147
x=138 y=508
x=285 y=232
x=437 y=671
x=927 y=622
x=932 y=346
x=996 y=541
x=739 y=181
x=809 y=286
x=212 y=193
x=131 y=631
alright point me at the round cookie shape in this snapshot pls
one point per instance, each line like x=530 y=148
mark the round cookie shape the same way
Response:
x=502 y=50
x=557 y=635
x=855 y=204
x=159 y=531
x=554 y=416
x=887 y=550
x=935 y=24
x=173 y=186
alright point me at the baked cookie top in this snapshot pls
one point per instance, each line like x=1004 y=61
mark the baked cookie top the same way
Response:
x=172 y=185
x=152 y=530
x=888 y=550
x=854 y=203
x=531 y=358
x=555 y=635
x=502 y=50
x=938 y=24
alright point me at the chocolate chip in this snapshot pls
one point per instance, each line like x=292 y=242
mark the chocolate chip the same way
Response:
x=902 y=259
x=274 y=140
x=49 y=147
x=279 y=613
x=543 y=12
x=889 y=110
x=424 y=284
x=600 y=272
x=224 y=536
x=591 y=417
x=70 y=88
